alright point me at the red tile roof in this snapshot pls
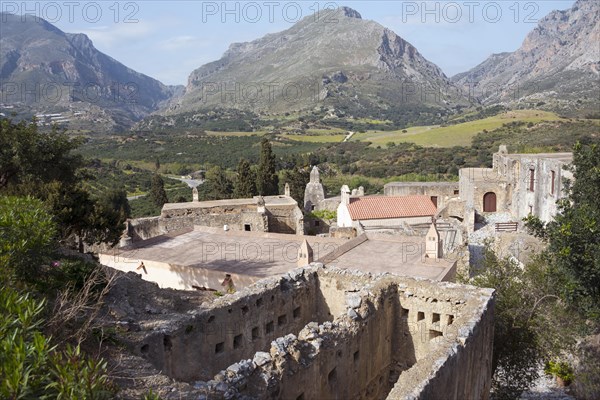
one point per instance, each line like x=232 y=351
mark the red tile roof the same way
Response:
x=382 y=207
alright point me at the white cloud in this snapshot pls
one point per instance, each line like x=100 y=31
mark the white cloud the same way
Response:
x=182 y=42
x=108 y=37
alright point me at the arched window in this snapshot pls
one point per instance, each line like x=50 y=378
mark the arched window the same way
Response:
x=489 y=202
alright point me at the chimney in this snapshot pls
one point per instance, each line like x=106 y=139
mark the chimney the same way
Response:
x=260 y=205
x=305 y=254
x=345 y=195
x=287 y=190
x=314 y=175
x=195 y=194
x=433 y=243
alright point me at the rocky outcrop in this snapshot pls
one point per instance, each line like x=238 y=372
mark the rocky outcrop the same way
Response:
x=558 y=64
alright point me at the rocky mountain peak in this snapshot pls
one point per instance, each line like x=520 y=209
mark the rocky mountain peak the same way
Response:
x=553 y=67
x=350 y=12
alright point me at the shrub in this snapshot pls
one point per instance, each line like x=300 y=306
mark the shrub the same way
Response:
x=27 y=234
x=32 y=368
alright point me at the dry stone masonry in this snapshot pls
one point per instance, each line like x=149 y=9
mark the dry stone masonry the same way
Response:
x=323 y=332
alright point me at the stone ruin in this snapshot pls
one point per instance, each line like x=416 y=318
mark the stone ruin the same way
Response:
x=322 y=333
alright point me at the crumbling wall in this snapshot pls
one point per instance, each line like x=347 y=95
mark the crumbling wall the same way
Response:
x=285 y=220
x=235 y=327
x=442 y=191
x=326 y=333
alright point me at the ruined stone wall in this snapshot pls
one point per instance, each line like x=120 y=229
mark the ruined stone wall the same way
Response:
x=144 y=228
x=540 y=202
x=234 y=328
x=285 y=220
x=327 y=333
x=443 y=191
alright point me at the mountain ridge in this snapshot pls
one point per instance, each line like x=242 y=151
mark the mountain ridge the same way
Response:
x=353 y=64
x=77 y=76
x=555 y=64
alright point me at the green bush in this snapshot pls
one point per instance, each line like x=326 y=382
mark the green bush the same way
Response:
x=561 y=370
x=32 y=368
x=27 y=232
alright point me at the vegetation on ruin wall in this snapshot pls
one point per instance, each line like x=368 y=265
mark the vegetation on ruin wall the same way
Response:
x=546 y=306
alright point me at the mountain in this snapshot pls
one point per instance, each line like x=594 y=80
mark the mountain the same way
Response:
x=557 y=66
x=45 y=70
x=336 y=60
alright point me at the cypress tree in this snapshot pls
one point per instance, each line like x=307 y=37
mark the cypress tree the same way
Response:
x=157 y=191
x=219 y=186
x=244 y=186
x=267 y=181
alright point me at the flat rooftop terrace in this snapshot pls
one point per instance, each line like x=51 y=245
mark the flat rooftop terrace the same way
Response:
x=201 y=257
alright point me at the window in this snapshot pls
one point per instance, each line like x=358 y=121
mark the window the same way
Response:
x=435 y=318
x=237 y=341
x=255 y=334
x=282 y=319
x=296 y=312
x=456 y=192
x=552 y=184
x=356 y=355
x=317 y=223
x=332 y=376
x=247 y=227
x=420 y=316
x=219 y=347
x=434 y=334
x=531 y=179
x=269 y=327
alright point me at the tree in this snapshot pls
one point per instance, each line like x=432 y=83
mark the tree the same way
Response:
x=297 y=178
x=157 y=191
x=218 y=185
x=244 y=185
x=267 y=182
x=531 y=324
x=573 y=238
x=27 y=232
x=30 y=157
x=107 y=221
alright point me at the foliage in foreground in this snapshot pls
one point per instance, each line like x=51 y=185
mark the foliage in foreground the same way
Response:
x=573 y=237
x=31 y=368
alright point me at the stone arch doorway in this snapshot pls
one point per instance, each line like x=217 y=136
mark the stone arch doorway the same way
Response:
x=489 y=202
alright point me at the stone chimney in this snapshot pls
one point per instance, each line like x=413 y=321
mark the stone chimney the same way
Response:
x=345 y=194
x=314 y=175
x=260 y=204
x=433 y=243
x=502 y=149
x=360 y=191
x=195 y=194
x=305 y=254
x=287 y=190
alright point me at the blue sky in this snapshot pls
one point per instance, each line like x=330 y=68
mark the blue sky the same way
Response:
x=168 y=39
